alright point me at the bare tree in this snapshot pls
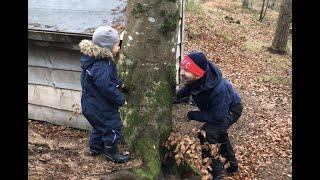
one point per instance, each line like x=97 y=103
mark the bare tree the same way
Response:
x=280 y=39
x=263 y=9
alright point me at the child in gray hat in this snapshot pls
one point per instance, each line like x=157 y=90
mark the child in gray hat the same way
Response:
x=102 y=93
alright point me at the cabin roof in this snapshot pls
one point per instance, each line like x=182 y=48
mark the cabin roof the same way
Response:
x=75 y=16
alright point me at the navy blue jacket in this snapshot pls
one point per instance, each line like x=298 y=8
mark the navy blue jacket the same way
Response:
x=100 y=96
x=212 y=94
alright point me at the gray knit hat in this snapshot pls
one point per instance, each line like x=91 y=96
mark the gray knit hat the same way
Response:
x=105 y=36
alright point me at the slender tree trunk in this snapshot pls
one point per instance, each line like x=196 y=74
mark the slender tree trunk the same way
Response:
x=245 y=4
x=265 y=10
x=261 y=12
x=147 y=66
x=280 y=39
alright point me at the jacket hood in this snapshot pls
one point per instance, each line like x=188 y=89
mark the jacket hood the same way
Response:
x=213 y=76
x=210 y=80
x=199 y=58
x=92 y=53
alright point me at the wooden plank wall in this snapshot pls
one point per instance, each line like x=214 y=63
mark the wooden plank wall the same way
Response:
x=54 y=90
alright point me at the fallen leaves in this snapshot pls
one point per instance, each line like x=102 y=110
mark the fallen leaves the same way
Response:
x=57 y=152
x=188 y=150
x=44 y=157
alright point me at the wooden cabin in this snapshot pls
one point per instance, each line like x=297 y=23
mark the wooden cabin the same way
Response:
x=55 y=27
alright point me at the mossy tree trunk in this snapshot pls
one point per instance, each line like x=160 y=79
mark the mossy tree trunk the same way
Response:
x=280 y=39
x=147 y=66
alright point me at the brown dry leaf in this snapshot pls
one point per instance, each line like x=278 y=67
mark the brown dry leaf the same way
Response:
x=176 y=150
x=205 y=177
x=182 y=148
x=188 y=152
x=44 y=157
x=178 y=162
x=172 y=143
x=205 y=160
x=195 y=157
x=176 y=156
x=204 y=170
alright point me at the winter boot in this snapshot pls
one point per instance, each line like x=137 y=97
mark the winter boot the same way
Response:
x=94 y=152
x=217 y=168
x=95 y=149
x=111 y=154
x=233 y=168
x=205 y=149
x=226 y=151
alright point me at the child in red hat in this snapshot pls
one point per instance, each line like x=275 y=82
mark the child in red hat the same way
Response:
x=219 y=106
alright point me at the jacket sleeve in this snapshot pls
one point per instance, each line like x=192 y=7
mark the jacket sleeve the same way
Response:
x=217 y=112
x=119 y=82
x=101 y=79
x=183 y=92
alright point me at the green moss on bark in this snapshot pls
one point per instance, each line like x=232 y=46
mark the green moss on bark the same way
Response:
x=131 y=120
x=159 y=111
x=137 y=10
x=125 y=66
x=149 y=150
x=170 y=24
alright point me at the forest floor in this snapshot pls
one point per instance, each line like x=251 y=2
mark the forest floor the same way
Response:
x=261 y=138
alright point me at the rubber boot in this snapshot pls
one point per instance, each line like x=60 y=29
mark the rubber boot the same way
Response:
x=93 y=152
x=226 y=151
x=111 y=154
x=95 y=149
x=217 y=168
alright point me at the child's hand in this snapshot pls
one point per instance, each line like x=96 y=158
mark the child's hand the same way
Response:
x=122 y=88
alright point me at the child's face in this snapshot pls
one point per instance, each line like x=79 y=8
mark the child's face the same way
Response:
x=188 y=77
x=115 y=49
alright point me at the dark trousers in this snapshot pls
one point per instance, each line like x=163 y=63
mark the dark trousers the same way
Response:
x=102 y=135
x=217 y=133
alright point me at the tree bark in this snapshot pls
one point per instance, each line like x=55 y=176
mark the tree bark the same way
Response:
x=272 y=4
x=265 y=10
x=280 y=39
x=261 y=12
x=246 y=4
x=147 y=66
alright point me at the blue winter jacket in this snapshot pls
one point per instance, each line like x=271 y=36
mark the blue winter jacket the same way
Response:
x=212 y=94
x=100 y=96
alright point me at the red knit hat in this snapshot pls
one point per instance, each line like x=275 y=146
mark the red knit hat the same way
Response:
x=188 y=65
